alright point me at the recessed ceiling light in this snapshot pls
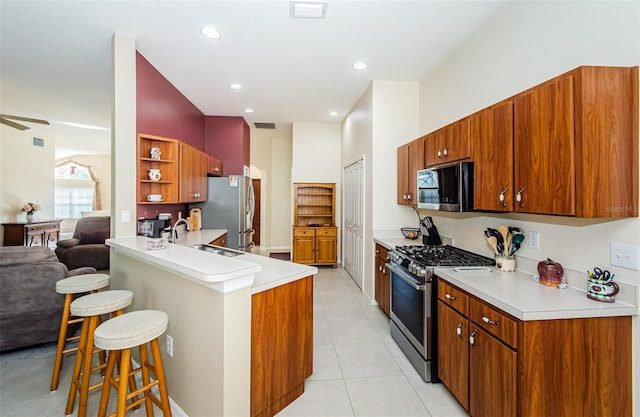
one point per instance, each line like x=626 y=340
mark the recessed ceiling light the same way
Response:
x=248 y=110
x=359 y=66
x=333 y=113
x=210 y=33
x=235 y=86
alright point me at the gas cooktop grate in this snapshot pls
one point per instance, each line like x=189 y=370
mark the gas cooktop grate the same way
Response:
x=443 y=255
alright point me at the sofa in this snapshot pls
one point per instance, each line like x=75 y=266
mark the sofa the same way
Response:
x=86 y=247
x=30 y=307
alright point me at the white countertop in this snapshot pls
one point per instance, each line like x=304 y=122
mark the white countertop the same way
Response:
x=209 y=269
x=519 y=295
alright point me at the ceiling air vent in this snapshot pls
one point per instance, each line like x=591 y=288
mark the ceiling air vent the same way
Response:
x=307 y=9
x=261 y=125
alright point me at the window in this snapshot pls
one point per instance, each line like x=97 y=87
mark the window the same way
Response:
x=75 y=191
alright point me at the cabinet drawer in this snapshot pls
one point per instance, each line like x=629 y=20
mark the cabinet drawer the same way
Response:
x=453 y=297
x=304 y=232
x=382 y=253
x=494 y=321
x=326 y=232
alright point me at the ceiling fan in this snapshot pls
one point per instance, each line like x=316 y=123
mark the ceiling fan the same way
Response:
x=4 y=119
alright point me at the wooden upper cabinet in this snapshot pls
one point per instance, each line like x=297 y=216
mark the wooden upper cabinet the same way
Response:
x=214 y=166
x=544 y=149
x=449 y=144
x=193 y=174
x=606 y=128
x=491 y=132
x=576 y=144
x=403 y=174
x=410 y=160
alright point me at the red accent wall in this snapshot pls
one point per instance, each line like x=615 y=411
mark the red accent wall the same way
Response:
x=227 y=138
x=162 y=110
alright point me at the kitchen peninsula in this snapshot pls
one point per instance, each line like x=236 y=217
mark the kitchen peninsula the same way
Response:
x=225 y=314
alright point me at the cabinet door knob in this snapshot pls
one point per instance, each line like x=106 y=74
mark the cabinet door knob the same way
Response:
x=439 y=153
x=519 y=197
x=459 y=329
x=504 y=190
x=449 y=297
x=472 y=339
x=446 y=151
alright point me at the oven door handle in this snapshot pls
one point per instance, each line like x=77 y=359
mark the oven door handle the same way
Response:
x=417 y=285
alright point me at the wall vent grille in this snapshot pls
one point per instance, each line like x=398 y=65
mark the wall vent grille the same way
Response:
x=262 y=125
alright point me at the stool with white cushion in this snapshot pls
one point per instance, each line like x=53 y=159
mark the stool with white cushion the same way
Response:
x=71 y=287
x=91 y=307
x=118 y=336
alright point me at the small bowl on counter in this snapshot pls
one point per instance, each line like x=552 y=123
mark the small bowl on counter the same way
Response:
x=157 y=243
x=411 y=232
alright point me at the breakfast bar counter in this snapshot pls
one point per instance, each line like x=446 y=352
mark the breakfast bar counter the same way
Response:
x=225 y=322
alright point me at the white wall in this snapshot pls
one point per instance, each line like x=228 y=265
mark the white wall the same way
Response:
x=123 y=133
x=271 y=155
x=530 y=42
x=26 y=172
x=385 y=117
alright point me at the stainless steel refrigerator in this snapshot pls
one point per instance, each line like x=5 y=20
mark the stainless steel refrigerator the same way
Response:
x=230 y=206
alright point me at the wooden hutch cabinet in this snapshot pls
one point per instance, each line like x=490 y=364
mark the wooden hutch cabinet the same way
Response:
x=315 y=235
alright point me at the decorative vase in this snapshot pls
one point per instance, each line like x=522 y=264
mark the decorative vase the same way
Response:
x=30 y=217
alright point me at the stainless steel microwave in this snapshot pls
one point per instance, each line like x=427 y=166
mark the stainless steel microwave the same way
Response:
x=446 y=188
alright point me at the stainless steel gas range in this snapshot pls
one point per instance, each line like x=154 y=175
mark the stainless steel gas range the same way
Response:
x=413 y=298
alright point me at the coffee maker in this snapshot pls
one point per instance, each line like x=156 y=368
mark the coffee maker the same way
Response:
x=155 y=228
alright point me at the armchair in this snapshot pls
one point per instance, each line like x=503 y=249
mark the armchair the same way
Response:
x=30 y=307
x=86 y=247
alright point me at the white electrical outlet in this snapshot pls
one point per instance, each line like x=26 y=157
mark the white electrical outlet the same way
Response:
x=534 y=240
x=625 y=256
x=170 y=346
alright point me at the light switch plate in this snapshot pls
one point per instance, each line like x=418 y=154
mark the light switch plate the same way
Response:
x=625 y=256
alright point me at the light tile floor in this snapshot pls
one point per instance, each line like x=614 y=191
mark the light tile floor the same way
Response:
x=358 y=369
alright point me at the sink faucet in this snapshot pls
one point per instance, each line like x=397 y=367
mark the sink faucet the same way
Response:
x=174 y=232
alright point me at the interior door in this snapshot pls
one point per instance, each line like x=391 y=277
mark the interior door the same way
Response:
x=353 y=220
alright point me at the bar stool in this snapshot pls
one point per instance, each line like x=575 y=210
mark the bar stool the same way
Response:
x=118 y=336
x=71 y=287
x=91 y=307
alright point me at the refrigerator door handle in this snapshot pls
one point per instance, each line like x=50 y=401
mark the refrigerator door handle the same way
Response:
x=248 y=231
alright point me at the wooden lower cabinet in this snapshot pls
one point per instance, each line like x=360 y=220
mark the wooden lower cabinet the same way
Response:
x=493 y=372
x=281 y=345
x=221 y=241
x=453 y=352
x=382 y=280
x=315 y=245
x=511 y=367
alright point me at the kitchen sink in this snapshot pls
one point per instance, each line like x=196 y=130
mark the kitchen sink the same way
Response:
x=218 y=250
